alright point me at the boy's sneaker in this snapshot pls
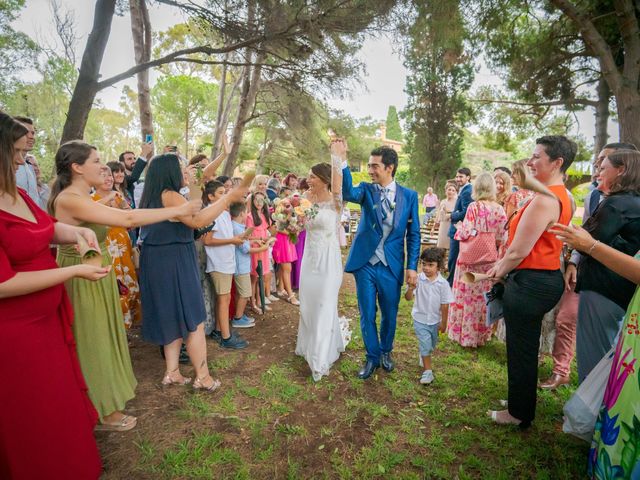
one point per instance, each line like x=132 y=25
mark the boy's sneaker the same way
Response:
x=273 y=298
x=427 y=377
x=216 y=335
x=247 y=317
x=234 y=342
x=242 y=322
x=267 y=301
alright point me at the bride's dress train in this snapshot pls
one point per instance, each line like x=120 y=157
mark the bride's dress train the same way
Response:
x=322 y=335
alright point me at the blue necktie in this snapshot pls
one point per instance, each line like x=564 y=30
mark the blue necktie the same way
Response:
x=384 y=202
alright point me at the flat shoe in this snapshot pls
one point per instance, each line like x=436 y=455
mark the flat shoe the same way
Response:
x=121 y=426
x=293 y=300
x=167 y=380
x=197 y=385
x=493 y=414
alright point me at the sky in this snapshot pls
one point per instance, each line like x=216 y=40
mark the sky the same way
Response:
x=382 y=86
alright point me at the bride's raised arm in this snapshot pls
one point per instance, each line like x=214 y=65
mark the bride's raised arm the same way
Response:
x=338 y=157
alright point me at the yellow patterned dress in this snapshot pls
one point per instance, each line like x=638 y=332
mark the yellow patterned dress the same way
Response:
x=119 y=247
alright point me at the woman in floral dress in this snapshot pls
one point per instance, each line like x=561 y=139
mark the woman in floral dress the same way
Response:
x=615 y=448
x=119 y=247
x=467 y=314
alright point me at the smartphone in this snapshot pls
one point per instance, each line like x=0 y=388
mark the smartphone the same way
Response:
x=247 y=233
x=148 y=138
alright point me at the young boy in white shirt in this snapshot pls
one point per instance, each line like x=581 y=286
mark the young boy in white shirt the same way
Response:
x=242 y=277
x=431 y=307
x=220 y=247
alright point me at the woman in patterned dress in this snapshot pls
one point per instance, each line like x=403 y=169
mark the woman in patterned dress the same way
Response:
x=467 y=314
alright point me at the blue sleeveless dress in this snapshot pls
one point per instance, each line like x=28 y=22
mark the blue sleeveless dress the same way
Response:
x=170 y=289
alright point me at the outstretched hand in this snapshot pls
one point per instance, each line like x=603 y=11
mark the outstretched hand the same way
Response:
x=339 y=148
x=576 y=237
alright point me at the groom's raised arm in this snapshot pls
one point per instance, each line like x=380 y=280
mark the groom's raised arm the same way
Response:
x=413 y=234
x=349 y=192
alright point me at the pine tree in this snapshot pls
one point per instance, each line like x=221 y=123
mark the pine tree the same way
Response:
x=394 y=132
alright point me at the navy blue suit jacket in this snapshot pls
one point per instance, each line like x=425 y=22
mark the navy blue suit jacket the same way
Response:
x=460 y=210
x=406 y=224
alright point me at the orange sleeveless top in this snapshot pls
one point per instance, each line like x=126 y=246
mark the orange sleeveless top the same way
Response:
x=545 y=254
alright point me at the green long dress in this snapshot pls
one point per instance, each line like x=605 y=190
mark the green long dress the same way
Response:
x=99 y=331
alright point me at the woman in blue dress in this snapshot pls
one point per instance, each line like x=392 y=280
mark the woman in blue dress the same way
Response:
x=172 y=304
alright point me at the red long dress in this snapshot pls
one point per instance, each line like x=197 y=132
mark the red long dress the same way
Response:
x=46 y=417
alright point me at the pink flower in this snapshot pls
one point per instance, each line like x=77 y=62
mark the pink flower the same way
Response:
x=620 y=370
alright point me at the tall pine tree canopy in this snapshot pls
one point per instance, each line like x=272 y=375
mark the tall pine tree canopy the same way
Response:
x=394 y=132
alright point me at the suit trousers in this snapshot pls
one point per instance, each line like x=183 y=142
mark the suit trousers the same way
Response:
x=528 y=295
x=599 y=321
x=454 y=250
x=376 y=285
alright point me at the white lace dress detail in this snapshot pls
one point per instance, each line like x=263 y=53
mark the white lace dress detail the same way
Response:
x=322 y=335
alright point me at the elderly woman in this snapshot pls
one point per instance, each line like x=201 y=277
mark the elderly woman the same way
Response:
x=621 y=396
x=480 y=234
x=605 y=295
x=534 y=282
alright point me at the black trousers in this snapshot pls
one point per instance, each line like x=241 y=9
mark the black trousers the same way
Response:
x=528 y=295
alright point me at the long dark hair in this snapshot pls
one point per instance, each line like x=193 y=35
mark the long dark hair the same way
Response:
x=323 y=172
x=119 y=167
x=255 y=213
x=69 y=153
x=10 y=132
x=163 y=174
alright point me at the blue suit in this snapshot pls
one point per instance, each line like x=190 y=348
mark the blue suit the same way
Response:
x=457 y=215
x=379 y=282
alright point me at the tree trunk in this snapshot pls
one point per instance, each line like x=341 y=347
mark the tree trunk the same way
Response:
x=86 y=87
x=217 y=136
x=602 y=116
x=141 y=31
x=628 y=105
x=186 y=137
x=250 y=84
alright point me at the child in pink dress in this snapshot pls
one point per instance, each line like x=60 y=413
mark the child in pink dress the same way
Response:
x=284 y=252
x=260 y=219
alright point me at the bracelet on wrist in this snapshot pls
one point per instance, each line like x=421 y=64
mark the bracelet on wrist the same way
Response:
x=592 y=247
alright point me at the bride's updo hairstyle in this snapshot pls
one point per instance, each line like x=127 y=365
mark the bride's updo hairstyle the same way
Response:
x=323 y=172
x=69 y=153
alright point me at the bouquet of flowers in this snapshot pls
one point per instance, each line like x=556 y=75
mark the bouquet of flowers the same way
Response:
x=292 y=215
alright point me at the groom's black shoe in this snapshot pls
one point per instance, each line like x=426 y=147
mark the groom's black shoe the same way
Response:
x=386 y=362
x=367 y=369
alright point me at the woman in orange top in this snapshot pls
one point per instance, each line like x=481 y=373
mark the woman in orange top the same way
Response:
x=534 y=282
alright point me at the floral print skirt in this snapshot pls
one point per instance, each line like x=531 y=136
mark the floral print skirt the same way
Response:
x=467 y=314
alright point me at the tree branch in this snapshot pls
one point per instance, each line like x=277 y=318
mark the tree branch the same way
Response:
x=551 y=103
x=593 y=38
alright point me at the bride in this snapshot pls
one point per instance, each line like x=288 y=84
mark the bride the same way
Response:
x=322 y=335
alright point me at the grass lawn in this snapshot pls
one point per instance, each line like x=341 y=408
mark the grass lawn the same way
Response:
x=271 y=421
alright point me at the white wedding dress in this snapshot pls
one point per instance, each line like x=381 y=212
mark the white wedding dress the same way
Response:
x=322 y=335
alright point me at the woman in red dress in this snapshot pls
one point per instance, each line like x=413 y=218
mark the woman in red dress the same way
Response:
x=46 y=419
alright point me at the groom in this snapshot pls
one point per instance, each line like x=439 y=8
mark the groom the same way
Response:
x=389 y=216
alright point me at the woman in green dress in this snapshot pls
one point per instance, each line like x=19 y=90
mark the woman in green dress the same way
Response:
x=98 y=326
x=615 y=449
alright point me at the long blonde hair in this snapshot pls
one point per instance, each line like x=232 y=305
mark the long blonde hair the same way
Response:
x=506 y=180
x=519 y=171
